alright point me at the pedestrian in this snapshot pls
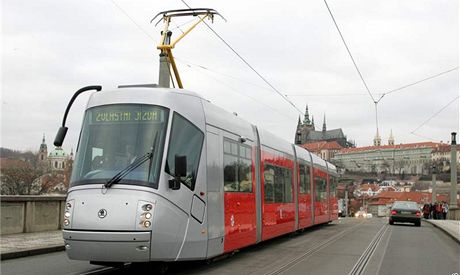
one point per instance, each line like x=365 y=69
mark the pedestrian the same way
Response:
x=438 y=209
x=445 y=209
x=426 y=211
x=432 y=212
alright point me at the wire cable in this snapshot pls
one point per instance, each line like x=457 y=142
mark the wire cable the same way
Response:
x=250 y=97
x=249 y=65
x=132 y=20
x=417 y=82
x=435 y=114
x=349 y=52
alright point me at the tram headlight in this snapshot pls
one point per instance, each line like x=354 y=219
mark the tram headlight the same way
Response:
x=147 y=224
x=145 y=214
x=68 y=213
x=147 y=207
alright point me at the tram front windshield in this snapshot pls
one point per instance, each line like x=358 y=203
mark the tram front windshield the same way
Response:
x=113 y=137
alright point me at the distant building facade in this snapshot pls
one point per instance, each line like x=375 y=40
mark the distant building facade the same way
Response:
x=324 y=149
x=441 y=156
x=306 y=132
x=414 y=158
x=57 y=160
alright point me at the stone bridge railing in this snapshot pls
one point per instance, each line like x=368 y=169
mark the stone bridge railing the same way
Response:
x=24 y=214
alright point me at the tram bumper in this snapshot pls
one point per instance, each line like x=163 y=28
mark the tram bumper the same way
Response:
x=105 y=246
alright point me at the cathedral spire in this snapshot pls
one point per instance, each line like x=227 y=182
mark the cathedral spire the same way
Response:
x=313 y=122
x=324 y=123
x=391 y=139
x=306 y=119
x=377 y=139
x=299 y=123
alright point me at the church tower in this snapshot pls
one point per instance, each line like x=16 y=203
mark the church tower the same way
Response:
x=306 y=119
x=391 y=139
x=377 y=139
x=43 y=151
x=324 y=123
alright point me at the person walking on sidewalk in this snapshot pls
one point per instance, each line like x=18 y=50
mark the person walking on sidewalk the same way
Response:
x=432 y=211
x=438 y=209
x=445 y=209
x=426 y=211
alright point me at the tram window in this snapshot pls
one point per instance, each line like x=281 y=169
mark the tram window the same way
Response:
x=333 y=186
x=237 y=167
x=304 y=172
x=186 y=140
x=277 y=184
x=320 y=190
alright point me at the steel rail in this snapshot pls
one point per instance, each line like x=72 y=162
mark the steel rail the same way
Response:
x=361 y=264
x=315 y=248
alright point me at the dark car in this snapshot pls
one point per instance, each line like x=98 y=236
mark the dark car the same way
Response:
x=405 y=211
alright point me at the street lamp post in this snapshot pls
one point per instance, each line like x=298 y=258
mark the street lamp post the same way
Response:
x=453 y=172
x=433 y=184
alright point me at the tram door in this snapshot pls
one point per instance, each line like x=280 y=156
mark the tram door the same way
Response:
x=239 y=194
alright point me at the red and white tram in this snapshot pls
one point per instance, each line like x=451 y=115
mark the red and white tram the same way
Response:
x=164 y=175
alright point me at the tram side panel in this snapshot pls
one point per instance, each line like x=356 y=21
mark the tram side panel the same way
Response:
x=278 y=207
x=239 y=192
x=320 y=196
x=333 y=199
x=190 y=198
x=305 y=194
x=215 y=192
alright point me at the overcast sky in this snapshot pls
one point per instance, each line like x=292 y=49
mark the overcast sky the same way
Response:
x=52 y=48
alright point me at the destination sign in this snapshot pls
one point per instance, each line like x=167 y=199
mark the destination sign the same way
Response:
x=129 y=114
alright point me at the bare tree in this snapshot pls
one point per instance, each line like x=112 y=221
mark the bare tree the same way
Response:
x=18 y=180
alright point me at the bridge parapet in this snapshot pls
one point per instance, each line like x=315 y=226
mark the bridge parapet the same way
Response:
x=25 y=214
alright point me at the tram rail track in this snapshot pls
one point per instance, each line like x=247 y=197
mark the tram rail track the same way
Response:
x=312 y=250
x=361 y=264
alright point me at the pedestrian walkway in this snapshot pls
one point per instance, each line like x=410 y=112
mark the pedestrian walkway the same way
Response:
x=451 y=227
x=27 y=244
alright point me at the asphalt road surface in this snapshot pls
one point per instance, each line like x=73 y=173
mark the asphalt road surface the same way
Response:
x=347 y=246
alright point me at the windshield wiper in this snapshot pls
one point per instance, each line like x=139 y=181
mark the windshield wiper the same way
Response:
x=120 y=175
x=137 y=162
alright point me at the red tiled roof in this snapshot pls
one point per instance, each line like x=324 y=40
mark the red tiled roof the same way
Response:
x=365 y=187
x=322 y=145
x=387 y=197
x=443 y=148
x=398 y=146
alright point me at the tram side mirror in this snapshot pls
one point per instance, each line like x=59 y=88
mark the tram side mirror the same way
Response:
x=59 y=139
x=180 y=165
x=180 y=171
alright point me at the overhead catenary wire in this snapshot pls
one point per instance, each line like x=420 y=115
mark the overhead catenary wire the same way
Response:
x=417 y=82
x=349 y=52
x=179 y=27
x=435 y=114
x=132 y=20
x=249 y=65
x=248 y=96
x=188 y=63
